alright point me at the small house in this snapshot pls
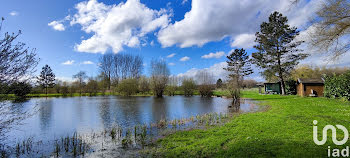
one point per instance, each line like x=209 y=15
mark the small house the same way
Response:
x=312 y=87
x=273 y=88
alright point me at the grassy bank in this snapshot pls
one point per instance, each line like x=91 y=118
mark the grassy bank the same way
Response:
x=12 y=96
x=285 y=130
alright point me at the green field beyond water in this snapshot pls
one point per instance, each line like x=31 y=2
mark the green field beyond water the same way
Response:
x=285 y=130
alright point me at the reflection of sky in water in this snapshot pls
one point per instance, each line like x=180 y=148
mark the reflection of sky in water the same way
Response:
x=58 y=117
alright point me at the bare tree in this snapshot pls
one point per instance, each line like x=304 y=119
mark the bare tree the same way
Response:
x=172 y=85
x=205 y=83
x=159 y=76
x=136 y=67
x=331 y=28
x=121 y=66
x=116 y=66
x=80 y=76
x=106 y=66
x=16 y=59
x=249 y=83
x=16 y=62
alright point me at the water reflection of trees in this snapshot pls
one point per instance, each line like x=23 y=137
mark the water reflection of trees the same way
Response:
x=45 y=113
x=128 y=110
x=11 y=115
x=124 y=111
x=105 y=113
x=159 y=108
x=235 y=106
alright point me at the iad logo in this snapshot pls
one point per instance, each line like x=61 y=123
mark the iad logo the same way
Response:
x=334 y=134
x=332 y=152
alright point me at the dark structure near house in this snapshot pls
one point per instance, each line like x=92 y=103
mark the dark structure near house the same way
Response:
x=260 y=85
x=273 y=88
x=310 y=87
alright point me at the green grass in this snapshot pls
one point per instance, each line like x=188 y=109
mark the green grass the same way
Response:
x=12 y=96
x=285 y=130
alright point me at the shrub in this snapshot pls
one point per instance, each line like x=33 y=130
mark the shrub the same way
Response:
x=188 y=86
x=127 y=87
x=4 y=88
x=291 y=87
x=338 y=86
x=144 y=86
x=92 y=87
x=21 y=89
x=64 y=90
x=206 y=90
x=171 y=90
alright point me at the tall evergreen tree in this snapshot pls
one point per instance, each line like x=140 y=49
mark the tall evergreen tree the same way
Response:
x=219 y=83
x=46 y=78
x=277 y=51
x=238 y=64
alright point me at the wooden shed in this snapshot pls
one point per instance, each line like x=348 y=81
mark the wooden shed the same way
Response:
x=273 y=88
x=312 y=87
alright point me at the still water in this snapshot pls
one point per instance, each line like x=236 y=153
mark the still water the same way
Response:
x=56 y=117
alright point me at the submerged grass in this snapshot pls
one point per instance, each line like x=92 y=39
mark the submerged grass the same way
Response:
x=285 y=130
x=107 y=140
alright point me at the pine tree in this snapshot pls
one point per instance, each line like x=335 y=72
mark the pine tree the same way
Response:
x=219 y=83
x=277 y=50
x=238 y=64
x=46 y=78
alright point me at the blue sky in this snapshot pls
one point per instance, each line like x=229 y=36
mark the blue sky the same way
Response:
x=64 y=30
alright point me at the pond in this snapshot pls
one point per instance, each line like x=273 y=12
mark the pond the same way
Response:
x=57 y=117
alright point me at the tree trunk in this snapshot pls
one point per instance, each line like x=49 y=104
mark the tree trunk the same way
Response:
x=46 y=91
x=283 y=86
x=280 y=74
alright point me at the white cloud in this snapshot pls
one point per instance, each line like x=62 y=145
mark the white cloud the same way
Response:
x=64 y=79
x=210 y=20
x=56 y=25
x=185 y=58
x=216 y=70
x=115 y=26
x=324 y=59
x=171 y=55
x=245 y=41
x=184 y=2
x=13 y=13
x=214 y=55
x=171 y=64
x=87 y=62
x=68 y=62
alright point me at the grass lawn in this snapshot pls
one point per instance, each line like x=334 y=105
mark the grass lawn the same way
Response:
x=285 y=130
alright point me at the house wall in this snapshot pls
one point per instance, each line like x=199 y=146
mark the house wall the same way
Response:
x=300 y=89
x=318 y=88
x=276 y=87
